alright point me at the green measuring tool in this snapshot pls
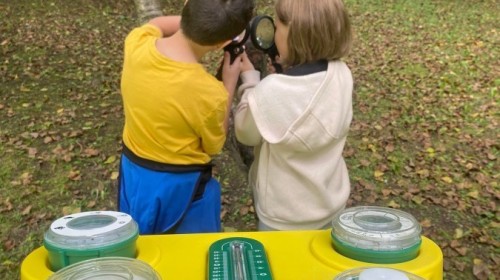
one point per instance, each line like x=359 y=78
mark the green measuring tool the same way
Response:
x=238 y=258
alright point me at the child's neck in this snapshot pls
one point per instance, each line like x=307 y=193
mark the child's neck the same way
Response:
x=177 y=47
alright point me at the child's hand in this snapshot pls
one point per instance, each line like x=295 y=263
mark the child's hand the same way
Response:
x=274 y=66
x=231 y=72
x=270 y=66
x=246 y=64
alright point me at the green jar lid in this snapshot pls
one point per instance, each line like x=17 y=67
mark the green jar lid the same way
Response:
x=376 y=256
x=91 y=230
x=87 y=235
x=107 y=268
x=376 y=234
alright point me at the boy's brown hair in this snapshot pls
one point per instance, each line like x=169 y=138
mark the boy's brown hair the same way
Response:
x=210 y=22
x=318 y=29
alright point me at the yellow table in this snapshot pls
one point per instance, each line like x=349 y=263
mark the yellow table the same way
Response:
x=301 y=255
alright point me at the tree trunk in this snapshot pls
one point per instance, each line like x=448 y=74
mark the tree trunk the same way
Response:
x=148 y=9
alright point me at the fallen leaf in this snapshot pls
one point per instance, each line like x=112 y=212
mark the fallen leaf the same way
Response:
x=418 y=199
x=58 y=150
x=91 y=204
x=480 y=270
x=114 y=175
x=26 y=210
x=8 y=263
x=74 y=175
x=473 y=194
x=378 y=173
x=24 y=89
x=244 y=210
x=366 y=185
x=426 y=223
x=90 y=152
x=447 y=179
x=482 y=179
x=110 y=160
x=386 y=192
x=230 y=229
x=393 y=204
x=32 y=152
x=223 y=214
x=459 y=233
x=413 y=190
x=462 y=251
x=494 y=224
x=430 y=152
x=423 y=173
x=364 y=162
x=8 y=206
x=67 y=157
x=9 y=245
x=455 y=244
x=460 y=265
x=68 y=210
x=26 y=178
x=389 y=148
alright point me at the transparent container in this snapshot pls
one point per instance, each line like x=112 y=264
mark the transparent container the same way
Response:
x=107 y=268
x=87 y=235
x=376 y=273
x=376 y=234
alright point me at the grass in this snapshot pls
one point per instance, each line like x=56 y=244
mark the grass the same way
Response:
x=426 y=84
x=423 y=138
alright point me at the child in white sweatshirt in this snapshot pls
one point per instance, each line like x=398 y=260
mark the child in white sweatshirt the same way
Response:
x=298 y=121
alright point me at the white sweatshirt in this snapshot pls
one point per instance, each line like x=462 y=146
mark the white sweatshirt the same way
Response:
x=298 y=125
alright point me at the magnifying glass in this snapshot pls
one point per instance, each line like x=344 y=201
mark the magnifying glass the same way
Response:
x=262 y=31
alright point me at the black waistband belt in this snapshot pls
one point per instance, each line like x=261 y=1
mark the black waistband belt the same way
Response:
x=165 y=167
x=205 y=169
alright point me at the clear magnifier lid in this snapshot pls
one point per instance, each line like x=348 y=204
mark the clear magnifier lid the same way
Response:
x=90 y=230
x=376 y=273
x=107 y=268
x=376 y=228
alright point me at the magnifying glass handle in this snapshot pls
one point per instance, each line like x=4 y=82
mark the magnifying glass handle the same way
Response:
x=234 y=54
x=272 y=52
x=277 y=67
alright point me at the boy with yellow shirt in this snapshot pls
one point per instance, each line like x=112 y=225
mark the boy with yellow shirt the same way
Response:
x=176 y=116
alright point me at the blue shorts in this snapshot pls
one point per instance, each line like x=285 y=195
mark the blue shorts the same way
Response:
x=168 y=202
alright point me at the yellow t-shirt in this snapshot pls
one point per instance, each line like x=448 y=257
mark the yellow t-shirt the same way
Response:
x=174 y=111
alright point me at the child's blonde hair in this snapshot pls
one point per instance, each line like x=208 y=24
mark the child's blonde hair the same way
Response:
x=318 y=29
